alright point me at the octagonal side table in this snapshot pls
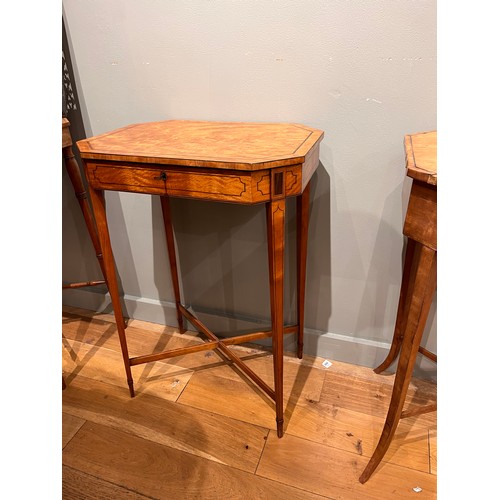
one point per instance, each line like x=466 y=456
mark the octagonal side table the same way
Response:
x=232 y=162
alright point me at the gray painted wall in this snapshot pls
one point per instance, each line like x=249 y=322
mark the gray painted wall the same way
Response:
x=362 y=71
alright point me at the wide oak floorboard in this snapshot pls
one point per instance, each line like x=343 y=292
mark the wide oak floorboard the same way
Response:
x=158 y=471
x=334 y=473
x=222 y=440
x=81 y=486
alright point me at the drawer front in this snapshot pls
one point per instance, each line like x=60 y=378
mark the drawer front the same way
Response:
x=186 y=184
x=123 y=178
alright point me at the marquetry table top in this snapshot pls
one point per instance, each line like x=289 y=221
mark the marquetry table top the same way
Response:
x=226 y=145
x=421 y=156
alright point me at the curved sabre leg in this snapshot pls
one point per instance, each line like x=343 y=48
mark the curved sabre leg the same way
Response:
x=407 y=284
x=419 y=305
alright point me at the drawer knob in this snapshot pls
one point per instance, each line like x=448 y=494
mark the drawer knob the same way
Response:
x=161 y=177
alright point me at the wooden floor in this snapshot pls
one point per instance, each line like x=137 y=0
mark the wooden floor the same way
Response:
x=197 y=429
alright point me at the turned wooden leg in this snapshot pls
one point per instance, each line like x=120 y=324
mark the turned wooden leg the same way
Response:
x=81 y=195
x=419 y=305
x=302 y=231
x=407 y=284
x=169 y=232
x=99 y=205
x=276 y=246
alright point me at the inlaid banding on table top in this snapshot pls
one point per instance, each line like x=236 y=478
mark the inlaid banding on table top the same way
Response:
x=247 y=146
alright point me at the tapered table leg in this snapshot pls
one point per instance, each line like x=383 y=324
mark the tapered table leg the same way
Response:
x=420 y=301
x=169 y=233
x=81 y=195
x=276 y=246
x=99 y=206
x=302 y=232
x=407 y=284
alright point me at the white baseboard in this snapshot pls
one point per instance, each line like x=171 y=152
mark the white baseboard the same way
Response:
x=327 y=345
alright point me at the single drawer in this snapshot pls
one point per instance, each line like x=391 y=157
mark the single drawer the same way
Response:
x=199 y=183
x=125 y=178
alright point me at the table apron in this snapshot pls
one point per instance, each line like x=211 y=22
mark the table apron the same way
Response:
x=206 y=184
x=421 y=215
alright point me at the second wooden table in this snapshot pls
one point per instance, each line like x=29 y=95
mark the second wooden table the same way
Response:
x=245 y=163
x=417 y=286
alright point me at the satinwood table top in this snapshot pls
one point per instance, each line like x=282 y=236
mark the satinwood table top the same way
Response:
x=226 y=145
